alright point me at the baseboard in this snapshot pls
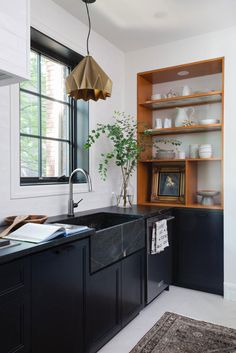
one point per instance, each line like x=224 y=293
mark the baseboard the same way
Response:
x=230 y=291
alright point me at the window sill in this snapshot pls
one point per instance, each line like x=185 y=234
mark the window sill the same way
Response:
x=33 y=191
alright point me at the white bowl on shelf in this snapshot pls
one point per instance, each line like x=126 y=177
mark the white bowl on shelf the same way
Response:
x=205 y=146
x=207 y=196
x=205 y=154
x=209 y=121
x=205 y=151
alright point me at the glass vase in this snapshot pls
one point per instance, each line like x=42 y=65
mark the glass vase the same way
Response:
x=125 y=195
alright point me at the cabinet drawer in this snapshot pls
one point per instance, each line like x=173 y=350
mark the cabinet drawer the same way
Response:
x=13 y=276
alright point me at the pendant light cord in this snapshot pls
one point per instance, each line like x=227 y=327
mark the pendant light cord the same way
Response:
x=89 y=27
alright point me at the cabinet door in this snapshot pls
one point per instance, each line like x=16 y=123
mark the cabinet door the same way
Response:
x=103 y=306
x=14 y=307
x=199 y=250
x=58 y=277
x=132 y=286
x=15 y=41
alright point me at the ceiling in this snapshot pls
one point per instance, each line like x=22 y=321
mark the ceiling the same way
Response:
x=136 y=24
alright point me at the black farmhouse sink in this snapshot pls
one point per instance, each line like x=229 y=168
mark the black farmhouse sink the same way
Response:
x=100 y=221
x=116 y=236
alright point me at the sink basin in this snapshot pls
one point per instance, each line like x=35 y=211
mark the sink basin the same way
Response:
x=116 y=235
x=100 y=221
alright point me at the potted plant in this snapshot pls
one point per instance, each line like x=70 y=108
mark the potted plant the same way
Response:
x=125 y=151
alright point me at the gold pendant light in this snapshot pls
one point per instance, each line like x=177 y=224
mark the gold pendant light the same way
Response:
x=88 y=80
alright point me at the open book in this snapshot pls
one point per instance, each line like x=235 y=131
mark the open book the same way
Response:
x=37 y=233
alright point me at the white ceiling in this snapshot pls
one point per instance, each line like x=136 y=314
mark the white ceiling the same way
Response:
x=136 y=24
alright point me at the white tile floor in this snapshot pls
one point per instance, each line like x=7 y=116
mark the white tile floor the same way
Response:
x=194 y=304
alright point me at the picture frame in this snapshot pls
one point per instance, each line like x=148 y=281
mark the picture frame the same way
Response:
x=168 y=184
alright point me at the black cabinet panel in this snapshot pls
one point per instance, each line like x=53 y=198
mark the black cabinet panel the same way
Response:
x=106 y=248
x=133 y=236
x=103 y=306
x=58 y=279
x=199 y=250
x=159 y=272
x=14 y=307
x=132 y=286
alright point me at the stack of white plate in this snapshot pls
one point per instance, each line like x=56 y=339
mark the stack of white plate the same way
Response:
x=205 y=151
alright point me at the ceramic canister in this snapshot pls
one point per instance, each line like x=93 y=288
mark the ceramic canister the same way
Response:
x=205 y=151
x=193 y=151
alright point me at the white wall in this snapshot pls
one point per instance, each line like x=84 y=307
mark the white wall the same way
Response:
x=52 y=20
x=197 y=48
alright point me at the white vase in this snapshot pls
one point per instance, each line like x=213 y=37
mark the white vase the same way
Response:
x=182 y=115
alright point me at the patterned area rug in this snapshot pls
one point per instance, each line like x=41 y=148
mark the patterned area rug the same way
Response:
x=178 y=334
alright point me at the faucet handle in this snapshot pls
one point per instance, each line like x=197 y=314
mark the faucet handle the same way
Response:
x=75 y=204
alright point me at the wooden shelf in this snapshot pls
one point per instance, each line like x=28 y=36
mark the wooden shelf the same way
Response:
x=181 y=160
x=183 y=130
x=198 y=205
x=203 y=159
x=162 y=204
x=184 y=101
x=194 y=205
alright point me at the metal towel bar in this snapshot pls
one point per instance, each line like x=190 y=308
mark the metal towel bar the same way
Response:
x=170 y=218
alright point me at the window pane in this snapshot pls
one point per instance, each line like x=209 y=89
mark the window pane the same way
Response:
x=55 y=158
x=29 y=114
x=33 y=83
x=29 y=156
x=55 y=119
x=53 y=77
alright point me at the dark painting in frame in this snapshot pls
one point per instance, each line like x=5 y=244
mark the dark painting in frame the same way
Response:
x=168 y=184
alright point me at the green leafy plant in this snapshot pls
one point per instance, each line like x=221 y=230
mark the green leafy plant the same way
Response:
x=175 y=143
x=125 y=149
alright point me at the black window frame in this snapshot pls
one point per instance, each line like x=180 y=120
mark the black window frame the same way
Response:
x=44 y=45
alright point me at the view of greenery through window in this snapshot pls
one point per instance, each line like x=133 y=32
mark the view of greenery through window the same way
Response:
x=45 y=136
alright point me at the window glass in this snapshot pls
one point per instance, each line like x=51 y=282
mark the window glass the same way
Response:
x=55 y=158
x=53 y=75
x=33 y=84
x=29 y=156
x=29 y=113
x=55 y=119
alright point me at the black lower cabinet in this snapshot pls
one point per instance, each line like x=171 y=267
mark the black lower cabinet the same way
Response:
x=103 y=306
x=132 y=286
x=15 y=307
x=58 y=297
x=198 y=250
x=114 y=297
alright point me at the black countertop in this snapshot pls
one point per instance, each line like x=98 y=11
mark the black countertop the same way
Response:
x=24 y=249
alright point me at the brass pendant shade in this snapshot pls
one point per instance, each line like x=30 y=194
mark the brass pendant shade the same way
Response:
x=88 y=81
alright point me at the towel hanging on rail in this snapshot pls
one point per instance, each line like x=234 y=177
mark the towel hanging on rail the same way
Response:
x=159 y=237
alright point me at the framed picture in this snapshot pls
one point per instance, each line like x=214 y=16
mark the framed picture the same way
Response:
x=168 y=184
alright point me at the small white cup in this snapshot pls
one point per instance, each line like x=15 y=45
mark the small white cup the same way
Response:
x=156 y=96
x=193 y=151
x=158 y=123
x=167 y=123
x=186 y=90
x=181 y=155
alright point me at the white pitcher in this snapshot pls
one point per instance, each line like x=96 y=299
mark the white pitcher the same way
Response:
x=182 y=114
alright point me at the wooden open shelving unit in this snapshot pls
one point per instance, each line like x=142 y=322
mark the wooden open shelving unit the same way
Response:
x=145 y=109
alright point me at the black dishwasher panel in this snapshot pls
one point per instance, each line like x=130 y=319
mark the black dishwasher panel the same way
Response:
x=158 y=266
